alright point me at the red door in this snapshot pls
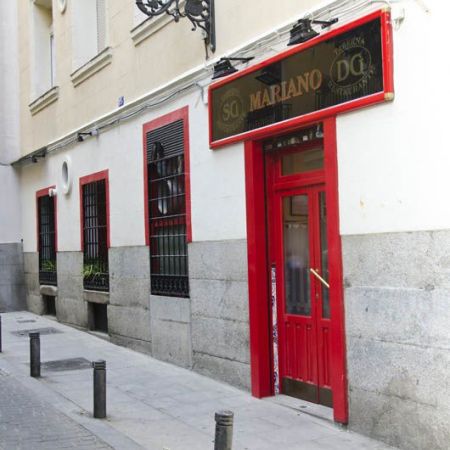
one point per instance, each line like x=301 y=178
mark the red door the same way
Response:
x=299 y=267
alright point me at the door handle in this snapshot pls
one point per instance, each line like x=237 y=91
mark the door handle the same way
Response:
x=319 y=278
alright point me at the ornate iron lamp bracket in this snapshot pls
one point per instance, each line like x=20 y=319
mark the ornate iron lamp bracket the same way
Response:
x=199 y=12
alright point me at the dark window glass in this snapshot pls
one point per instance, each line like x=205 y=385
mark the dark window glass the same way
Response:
x=95 y=232
x=47 y=240
x=324 y=256
x=296 y=255
x=167 y=211
x=303 y=161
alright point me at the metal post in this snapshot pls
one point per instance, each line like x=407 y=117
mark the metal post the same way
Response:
x=35 y=355
x=99 y=389
x=0 y=334
x=224 y=430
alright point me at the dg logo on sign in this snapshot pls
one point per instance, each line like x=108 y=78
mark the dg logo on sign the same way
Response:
x=351 y=67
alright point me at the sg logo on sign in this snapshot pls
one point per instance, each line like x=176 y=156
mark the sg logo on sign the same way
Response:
x=231 y=111
x=351 y=67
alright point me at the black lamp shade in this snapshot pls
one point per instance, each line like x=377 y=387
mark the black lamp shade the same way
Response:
x=222 y=69
x=302 y=32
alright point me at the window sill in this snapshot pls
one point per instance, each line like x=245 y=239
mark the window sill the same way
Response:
x=96 y=297
x=93 y=66
x=150 y=26
x=47 y=98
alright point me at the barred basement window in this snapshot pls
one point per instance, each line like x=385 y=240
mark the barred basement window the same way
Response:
x=47 y=240
x=167 y=211
x=95 y=235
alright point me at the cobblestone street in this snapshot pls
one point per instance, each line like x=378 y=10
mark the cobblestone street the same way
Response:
x=29 y=423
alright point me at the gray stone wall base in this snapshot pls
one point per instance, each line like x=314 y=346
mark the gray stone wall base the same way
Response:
x=129 y=322
x=12 y=281
x=129 y=298
x=397 y=304
x=171 y=330
x=72 y=311
x=219 y=303
x=34 y=302
x=231 y=372
x=70 y=305
x=135 y=344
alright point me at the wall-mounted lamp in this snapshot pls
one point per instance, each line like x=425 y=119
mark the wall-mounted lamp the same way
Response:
x=302 y=30
x=82 y=136
x=199 y=12
x=38 y=154
x=224 y=67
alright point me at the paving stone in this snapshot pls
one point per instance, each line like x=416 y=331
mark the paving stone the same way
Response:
x=26 y=422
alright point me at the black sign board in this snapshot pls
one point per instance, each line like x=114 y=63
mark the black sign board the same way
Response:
x=343 y=68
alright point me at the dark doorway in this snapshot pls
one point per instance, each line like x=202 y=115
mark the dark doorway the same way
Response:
x=98 y=317
x=50 y=305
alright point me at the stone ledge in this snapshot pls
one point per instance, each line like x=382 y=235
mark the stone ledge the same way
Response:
x=47 y=98
x=150 y=26
x=96 y=297
x=97 y=63
x=51 y=291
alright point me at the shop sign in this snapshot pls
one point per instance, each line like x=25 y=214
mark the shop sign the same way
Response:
x=343 y=68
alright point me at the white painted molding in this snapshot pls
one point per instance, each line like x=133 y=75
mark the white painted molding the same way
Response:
x=47 y=98
x=151 y=26
x=96 y=64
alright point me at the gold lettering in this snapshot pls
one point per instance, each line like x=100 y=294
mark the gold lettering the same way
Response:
x=315 y=79
x=284 y=95
x=266 y=99
x=276 y=93
x=255 y=101
x=303 y=83
x=292 y=91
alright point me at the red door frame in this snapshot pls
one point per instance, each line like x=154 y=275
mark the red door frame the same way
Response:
x=258 y=276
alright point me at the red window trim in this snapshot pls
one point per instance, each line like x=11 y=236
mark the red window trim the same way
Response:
x=42 y=193
x=179 y=114
x=98 y=176
x=316 y=116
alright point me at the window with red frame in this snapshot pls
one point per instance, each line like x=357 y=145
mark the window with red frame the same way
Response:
x=47 y=240
x=95 y=236
x=167 y=210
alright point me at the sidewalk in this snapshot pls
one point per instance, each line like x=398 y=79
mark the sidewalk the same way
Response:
x=150 y=404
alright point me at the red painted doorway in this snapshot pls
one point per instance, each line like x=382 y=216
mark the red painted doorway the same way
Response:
x=298 y=264
x=262 y=185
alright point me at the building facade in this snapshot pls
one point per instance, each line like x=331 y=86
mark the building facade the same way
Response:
x=283 y=229
x=12 y=283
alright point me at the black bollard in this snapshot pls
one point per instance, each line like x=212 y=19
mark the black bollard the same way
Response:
x=35 y=355
x=99 y=389
x=224 y=430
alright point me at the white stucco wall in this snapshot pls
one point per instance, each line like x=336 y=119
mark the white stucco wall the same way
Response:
x=394 y=158
x=10 y=226
x=217 y=183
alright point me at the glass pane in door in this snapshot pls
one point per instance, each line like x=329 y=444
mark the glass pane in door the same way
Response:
x=324 y=255
x=296 y=255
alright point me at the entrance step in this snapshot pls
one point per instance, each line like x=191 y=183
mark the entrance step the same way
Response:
x=312 y=409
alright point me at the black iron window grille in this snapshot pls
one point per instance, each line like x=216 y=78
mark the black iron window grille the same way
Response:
x=167 y=211
x=47 y=240
x=95 y=235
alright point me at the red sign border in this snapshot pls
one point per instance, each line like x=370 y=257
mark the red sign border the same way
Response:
x=386 y=95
